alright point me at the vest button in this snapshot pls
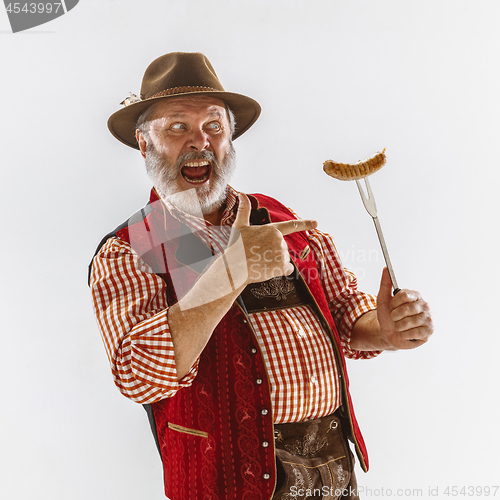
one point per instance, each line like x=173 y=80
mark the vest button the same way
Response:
x=258 y=381
x=266 y=476
x=264 y=412
x=254 y=351
x=265 y=444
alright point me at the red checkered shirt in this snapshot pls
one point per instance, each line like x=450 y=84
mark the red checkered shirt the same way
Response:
x=131 y=310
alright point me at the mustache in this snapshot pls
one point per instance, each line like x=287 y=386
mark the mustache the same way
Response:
x=156 y=164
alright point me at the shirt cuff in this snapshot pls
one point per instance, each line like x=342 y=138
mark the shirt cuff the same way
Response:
x=357 y=305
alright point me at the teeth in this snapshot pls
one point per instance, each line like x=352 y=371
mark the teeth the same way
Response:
x=198 y=181
x=197 y=164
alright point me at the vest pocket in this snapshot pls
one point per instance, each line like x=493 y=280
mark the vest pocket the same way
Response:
x=186 y=430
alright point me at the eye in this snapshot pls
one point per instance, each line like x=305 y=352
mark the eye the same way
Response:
x=178 y=126
x=214 y=126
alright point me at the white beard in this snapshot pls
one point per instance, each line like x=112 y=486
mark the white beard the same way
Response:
x=195 y=201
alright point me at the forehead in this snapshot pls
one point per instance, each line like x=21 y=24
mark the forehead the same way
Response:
x=189 y=106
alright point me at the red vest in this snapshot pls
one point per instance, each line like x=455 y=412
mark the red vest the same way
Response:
x=216 y=437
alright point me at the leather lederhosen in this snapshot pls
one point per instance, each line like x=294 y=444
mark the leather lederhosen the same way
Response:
x=313 y=460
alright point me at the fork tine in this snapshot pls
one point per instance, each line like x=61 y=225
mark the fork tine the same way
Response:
x=368 y=201
x=369 y=188
x=362 y=193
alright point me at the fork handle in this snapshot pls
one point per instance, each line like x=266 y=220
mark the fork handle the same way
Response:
x=386 y=255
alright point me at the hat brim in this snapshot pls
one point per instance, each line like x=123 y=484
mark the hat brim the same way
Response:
x=122 y=123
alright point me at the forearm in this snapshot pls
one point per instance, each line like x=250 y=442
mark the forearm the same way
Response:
x=366 y=334
x=402 y=321
x=193 y=319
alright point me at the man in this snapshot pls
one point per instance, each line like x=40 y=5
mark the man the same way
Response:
x=226 y=315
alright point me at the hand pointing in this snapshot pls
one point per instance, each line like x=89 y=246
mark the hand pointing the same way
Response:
x=265 y=248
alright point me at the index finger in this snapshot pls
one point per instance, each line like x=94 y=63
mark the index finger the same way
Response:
x=405 y=296
x=294 y=226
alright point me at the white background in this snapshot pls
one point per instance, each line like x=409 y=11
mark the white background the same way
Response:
x=337 y=79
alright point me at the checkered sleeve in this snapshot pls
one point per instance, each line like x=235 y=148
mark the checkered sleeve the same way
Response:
x=346 y=303
x=131 y=308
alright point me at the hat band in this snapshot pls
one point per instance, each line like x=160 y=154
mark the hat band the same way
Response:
x=183 y=90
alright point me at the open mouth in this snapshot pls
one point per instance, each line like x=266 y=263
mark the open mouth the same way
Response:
x=196 y=172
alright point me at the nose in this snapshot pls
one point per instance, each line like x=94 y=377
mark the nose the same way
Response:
x=198 y=140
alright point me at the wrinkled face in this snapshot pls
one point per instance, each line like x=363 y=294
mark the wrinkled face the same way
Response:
x=188 y=150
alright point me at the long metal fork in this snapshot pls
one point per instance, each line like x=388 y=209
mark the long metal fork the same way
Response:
x=371 y=208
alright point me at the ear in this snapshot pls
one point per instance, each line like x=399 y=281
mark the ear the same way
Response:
x=141 y=140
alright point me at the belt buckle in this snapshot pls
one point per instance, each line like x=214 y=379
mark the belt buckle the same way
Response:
x=278 y=436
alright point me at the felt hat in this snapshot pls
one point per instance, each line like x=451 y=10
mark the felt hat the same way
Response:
x=174 y=75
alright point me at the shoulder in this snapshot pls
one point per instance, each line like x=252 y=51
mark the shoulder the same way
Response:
x=265 y=200
x=117 y=241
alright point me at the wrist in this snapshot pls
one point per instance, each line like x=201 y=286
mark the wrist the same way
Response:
x=366 y=334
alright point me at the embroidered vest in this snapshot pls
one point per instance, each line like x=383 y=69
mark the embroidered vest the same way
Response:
x=216 y=437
